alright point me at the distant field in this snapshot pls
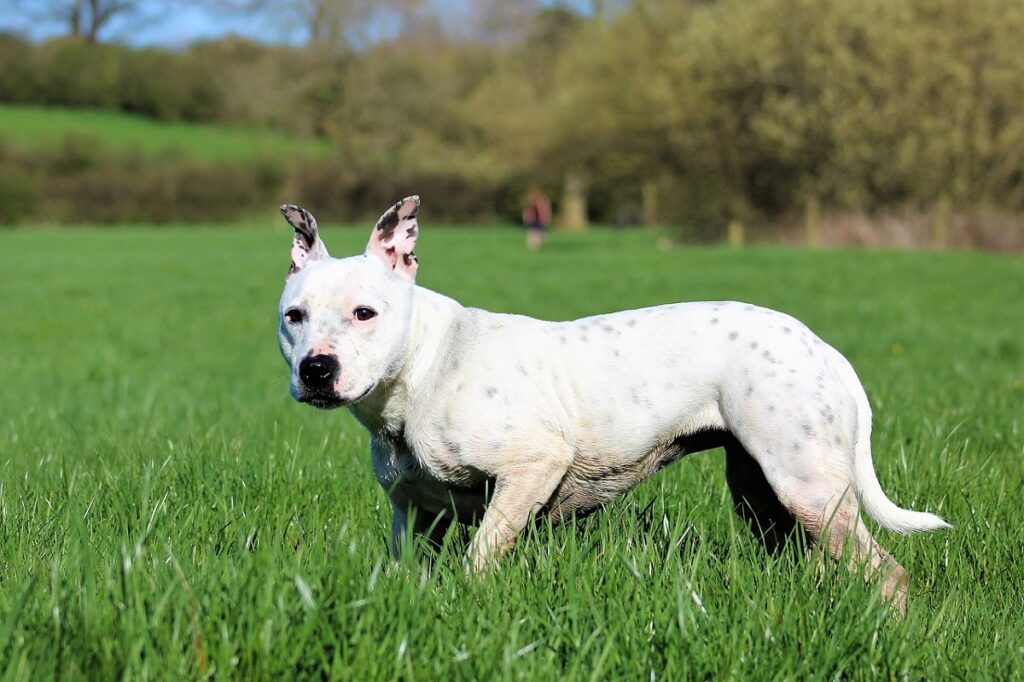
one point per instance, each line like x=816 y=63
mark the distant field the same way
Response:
x=167 y=511
x=40 y=127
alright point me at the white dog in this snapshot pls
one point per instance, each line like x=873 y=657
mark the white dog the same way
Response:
x=485 y=416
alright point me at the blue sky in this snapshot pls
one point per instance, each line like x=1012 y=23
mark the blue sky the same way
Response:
x=179 y=26
x=187 y=22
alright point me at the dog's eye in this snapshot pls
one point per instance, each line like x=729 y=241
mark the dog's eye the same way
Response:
x=294 y=315
x=362 y=313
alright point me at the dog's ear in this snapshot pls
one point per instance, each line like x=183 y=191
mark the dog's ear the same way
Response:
x=306 y=244
x=394 y=237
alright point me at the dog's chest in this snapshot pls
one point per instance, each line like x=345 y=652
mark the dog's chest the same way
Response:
x=410 y=484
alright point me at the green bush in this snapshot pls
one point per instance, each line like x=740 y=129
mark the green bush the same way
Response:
x=17 y=73
x=338 y=193
x=73 y=73
x=83 y=182
x=752 y=109
x=168 y=87
x=75 y=154
x=67 y=72
x=18 y=195
x=710 y=112
x=133 y=189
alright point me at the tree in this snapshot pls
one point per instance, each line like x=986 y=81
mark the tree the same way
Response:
x=85 y=19
x=329 y=24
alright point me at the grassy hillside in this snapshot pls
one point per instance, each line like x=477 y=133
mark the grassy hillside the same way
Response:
x=166 y=510
x=39 y=127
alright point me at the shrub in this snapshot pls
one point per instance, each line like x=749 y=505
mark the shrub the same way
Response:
x=73 y=73
x=76 y=153
x=339 y=193
x=168 y=87
x=19 y=198
x=83 y=182
x=17 y=75
x=132 y=189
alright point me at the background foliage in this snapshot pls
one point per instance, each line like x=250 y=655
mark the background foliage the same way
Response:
x=687 y=113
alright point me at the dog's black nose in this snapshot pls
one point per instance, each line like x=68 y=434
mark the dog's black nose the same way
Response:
x=319 y=371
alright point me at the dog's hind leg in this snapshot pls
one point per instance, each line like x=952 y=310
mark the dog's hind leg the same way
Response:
x=754 y=499
x=825 y=504
x=836 y=524
x=773 y=524
x=810 y=471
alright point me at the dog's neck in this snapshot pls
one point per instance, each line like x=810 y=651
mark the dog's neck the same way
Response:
x=428 y=347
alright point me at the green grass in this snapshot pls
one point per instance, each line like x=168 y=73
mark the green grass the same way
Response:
x=166 y=510
x=46 y=127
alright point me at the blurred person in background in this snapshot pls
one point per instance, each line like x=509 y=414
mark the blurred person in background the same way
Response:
x=536 y=217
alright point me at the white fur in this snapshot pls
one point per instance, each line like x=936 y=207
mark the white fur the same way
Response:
x=465 y=404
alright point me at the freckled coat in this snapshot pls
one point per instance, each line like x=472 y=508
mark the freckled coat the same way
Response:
x=620 y=393
x=479 y=416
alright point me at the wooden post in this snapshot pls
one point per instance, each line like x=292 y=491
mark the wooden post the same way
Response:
x=649 y=202
x=812 y=222
x=574 y=202
x=735 y=233
x=940 y=222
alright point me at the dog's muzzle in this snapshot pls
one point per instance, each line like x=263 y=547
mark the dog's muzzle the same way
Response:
x=318 y=374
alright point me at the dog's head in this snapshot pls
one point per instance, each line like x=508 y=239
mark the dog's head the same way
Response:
x=344 y=322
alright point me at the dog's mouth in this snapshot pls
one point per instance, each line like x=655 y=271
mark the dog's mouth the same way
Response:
x=330 y=401
x=321 y=400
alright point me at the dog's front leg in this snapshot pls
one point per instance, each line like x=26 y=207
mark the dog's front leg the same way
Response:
x=399 y=530
x=518 y=493
x=423 y=524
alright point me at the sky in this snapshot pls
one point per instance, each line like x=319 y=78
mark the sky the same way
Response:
x=182 y=24
x=187 y=22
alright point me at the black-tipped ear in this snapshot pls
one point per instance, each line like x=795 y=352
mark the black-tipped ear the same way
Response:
x=306 y=244
x=394 y=237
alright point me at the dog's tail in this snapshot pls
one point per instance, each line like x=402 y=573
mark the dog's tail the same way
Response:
x=872 y=498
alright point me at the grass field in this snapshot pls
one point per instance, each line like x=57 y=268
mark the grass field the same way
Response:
x=43 y=127
x=167 y=511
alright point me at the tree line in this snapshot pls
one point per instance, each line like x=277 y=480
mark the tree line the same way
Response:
x=701 y=113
